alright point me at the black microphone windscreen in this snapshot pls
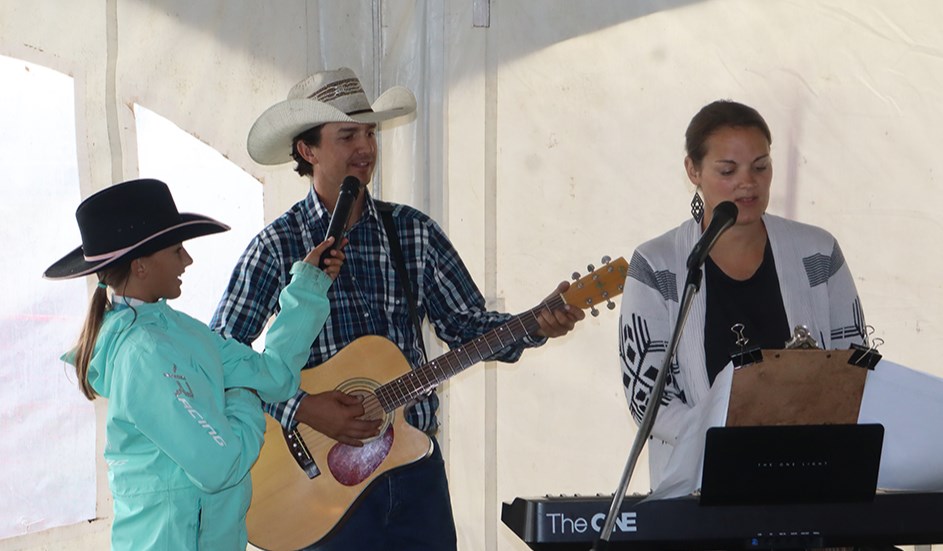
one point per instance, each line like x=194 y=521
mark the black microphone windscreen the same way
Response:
x=351 y=184
x=350 y=189
x=726 y=210
x=724 y=215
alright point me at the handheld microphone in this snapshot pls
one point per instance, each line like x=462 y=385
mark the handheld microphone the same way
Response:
x=350 y=189
x=725 y=215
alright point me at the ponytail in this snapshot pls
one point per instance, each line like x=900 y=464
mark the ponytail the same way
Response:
x=97 y=307
x=86 y=344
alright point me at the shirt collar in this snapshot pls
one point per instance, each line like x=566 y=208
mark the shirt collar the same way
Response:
x=119 y=302
x=317 y=211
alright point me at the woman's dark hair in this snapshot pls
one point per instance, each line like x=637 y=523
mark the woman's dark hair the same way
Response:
x=99 y=304
x=714 y=116
x=312 y=137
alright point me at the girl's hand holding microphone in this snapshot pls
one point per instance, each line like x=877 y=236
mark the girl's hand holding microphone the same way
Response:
x=333 y=257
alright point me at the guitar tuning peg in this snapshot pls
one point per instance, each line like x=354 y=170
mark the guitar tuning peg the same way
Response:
x=590 y=268
x=594 y=311
x=606 y=259
x=610 y=305
x=575 y=276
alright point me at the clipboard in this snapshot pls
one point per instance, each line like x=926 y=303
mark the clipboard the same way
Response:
x=797 y=387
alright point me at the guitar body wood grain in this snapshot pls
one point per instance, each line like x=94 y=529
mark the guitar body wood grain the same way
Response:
x=289 y=511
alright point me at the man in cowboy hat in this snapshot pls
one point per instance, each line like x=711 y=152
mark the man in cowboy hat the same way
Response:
x=329 y=128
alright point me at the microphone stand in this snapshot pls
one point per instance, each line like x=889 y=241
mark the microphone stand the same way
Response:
x=691 y=286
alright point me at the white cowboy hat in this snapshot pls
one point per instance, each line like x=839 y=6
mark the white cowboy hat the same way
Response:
x=327 y=96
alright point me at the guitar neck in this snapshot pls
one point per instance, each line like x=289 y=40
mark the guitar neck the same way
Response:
x=420 y=381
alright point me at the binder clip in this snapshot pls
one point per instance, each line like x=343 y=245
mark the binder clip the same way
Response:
x=866 y=356
x=744 y=356
x=747 y=356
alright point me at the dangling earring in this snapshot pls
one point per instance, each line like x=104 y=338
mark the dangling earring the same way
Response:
x=697 y=207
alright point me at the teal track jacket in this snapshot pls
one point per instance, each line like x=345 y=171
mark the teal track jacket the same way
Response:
x=183 y=429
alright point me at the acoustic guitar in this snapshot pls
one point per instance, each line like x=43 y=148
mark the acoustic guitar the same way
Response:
x=295 y=505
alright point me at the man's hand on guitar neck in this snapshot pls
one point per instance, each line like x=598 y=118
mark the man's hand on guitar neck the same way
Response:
x=335 y=415
x=558 y=322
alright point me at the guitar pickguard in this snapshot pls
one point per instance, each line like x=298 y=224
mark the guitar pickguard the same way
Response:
x=351 y=465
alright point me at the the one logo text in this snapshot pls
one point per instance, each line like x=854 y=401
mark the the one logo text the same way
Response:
x=560 y=523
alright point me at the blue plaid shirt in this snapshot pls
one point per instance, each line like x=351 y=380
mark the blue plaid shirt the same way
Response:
x=366 y=298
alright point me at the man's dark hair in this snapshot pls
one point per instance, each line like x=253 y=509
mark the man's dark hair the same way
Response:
x=312 y=137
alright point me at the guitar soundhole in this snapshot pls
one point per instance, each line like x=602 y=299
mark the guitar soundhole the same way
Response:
x=351 y=465
x=371 y=404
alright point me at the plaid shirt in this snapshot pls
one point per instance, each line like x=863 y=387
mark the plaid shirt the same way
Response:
x=366 y=298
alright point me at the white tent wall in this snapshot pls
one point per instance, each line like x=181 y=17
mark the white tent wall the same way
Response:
x=548 y=135
x=46 y=34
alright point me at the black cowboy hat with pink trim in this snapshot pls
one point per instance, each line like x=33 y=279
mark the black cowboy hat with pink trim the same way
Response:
x=127 y=221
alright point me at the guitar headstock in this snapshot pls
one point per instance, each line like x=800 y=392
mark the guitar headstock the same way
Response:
x=602 y=284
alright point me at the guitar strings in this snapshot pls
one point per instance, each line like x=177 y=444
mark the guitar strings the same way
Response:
x=432 y=373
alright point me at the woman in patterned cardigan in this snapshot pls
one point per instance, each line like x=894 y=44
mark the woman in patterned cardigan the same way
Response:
x=765 y=273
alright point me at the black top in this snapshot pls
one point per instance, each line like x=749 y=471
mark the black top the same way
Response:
x=757 y=303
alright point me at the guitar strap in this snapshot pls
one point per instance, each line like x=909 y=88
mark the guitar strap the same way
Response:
x=386 y=214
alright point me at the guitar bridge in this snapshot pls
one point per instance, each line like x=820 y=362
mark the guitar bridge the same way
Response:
x=299 y=450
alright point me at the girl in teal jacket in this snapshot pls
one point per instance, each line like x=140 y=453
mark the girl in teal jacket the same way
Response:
x=184 y=422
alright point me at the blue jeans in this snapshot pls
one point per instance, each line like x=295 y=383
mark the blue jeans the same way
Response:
x=404 y=510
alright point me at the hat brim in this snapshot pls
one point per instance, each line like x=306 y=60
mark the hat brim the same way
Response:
x=75 y=265
x=270 y=138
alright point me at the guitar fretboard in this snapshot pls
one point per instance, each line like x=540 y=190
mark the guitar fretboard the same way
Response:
x=420 y=381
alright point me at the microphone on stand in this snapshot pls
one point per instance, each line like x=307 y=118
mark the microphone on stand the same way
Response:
x=350 y=189
x=725 y=215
